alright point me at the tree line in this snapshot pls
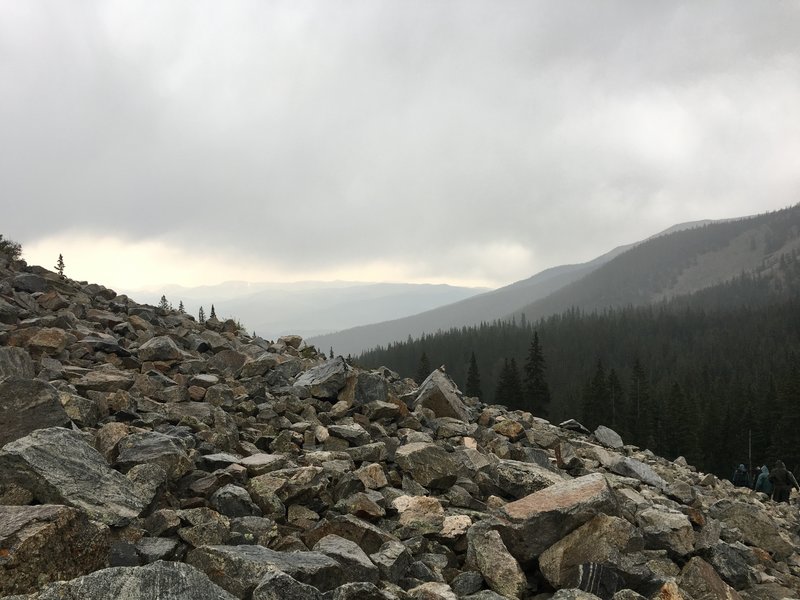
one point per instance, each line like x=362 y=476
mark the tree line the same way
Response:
x=713 y=377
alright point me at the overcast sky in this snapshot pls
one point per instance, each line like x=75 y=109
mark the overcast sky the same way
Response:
x=430 y=141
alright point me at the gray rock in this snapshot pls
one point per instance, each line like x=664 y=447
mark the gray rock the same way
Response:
x=700 y=580
x=357 y=564
x=370 y=387
x=234 y=501
x=157 y=581
x=40 y=544
x=56 y=465
x=667 y=529
x=151 y=447
x=393 y=559
x=27 y=404
x=730 y=565
x=326 y=380
x=467 y=583
x=489 y=555
x=239 y=569
x=277 y=585
x=428 y=464
x=160 y=348
x=519 y=479
x=15 y=362
x=441 y=395
x=152 y=549
x=757 y=528
x=361 y=590
x=630 y=467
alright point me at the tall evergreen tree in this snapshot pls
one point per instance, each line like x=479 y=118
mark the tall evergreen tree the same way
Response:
x=639 y=418
x=181 y=308
x=201 y=315
x=60 y=266
x=213 y=313
x=423 y=369
x=509 y=387
x=536 y=392
x=163 y=303
x=473 y=387
x=597 y=399
x=616 y=399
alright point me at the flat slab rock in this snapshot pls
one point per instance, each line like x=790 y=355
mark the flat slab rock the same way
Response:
x=157 y=581
x=27 y=404
x=58 y=466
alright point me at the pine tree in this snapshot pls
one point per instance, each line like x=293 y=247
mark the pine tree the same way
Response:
x=60 y=266
x=181 y=309
x=201 y=315
x=509 y=387
x=617 y=399
x=213 y=314
x=535 y=389
x=473 y=387
x=331 y=353
x=640 y=418
x=10 y=248
x=596 y=399
x=163 y=303
x=423 y=369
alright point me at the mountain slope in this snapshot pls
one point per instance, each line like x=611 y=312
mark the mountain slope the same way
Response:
x=679 y=263
x=492 y=305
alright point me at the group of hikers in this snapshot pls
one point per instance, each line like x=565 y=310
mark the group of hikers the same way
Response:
x=777 y=484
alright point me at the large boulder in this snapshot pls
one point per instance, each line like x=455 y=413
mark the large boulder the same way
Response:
x=441 y=395
x=151 y=447
x=40 y=544
x=757 y=528
x=427 y=463
x=519 y=479
x=160 y=348
x=488 y=554
x=239 y=569
x=15 y=362
x=58 y=466
x=326 y=380
x=533 y=523
x=27 y=404
x=156 y=581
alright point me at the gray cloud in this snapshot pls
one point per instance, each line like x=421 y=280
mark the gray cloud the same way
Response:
x=430 y=133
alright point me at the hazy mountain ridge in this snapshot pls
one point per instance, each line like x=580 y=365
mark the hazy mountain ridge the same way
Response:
x=310 y=308
x=682 y=262
x=496 y=304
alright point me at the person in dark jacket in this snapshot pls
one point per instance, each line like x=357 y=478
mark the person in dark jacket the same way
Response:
x=741 y=477
x=782 y=481
x=763 y=483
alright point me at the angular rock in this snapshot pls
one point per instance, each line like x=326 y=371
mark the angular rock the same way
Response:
x=519 y=479
x=239 y=569
x=667 y=529
x=608 y=437
x=358 y=591
x=106 y=380
x=357 y=564
x=157 y=581
x=277 y=585
x=15 y=362
x=537 y=521
x=326 y=380
x=156 y=448
x=630 y=467
x=57 y=466
x=368 y=537
x=756 y=527
x=441 y=395
x=234 y=501
x=27 y=405
x=702 y=582
x=160 y=348
x=603 y=540
x=428 y=464
x=40 y=544
x=48 y=340
x=489 y=555
x=393 y=560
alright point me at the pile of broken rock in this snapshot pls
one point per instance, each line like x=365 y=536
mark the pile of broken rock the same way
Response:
x=146 y=455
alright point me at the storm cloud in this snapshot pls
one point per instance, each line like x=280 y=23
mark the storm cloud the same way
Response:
x=442 y=141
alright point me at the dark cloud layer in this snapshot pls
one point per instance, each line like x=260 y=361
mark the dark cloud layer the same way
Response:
x=481 y=140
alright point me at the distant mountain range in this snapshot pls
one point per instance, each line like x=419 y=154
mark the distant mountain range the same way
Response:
x=307 y=308
x=683 y=259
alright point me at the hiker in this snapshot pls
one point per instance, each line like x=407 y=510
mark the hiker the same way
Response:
x=741 y=477
x=783 y=481
x=763 y=483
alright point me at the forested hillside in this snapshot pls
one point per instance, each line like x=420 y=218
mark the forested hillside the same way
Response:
x=683 y=262
x=703 y=375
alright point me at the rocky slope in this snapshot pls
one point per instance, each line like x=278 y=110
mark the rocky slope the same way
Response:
x=144 y=455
